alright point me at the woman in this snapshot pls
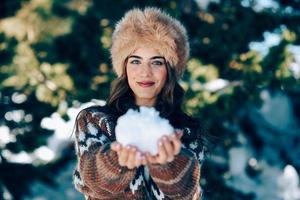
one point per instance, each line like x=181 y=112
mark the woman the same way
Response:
x=149 y=52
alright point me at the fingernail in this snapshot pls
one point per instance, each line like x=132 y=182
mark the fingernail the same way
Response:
x=165 y=138
x=138 y=154
x=160 y=143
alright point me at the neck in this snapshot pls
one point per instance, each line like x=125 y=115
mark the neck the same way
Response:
x=145 y=102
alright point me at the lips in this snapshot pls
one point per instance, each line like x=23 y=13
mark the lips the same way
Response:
x=146 y=83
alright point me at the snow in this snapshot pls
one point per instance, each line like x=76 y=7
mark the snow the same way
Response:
x=265 y=183
x=44 y=153
x=18 y=98
x=282 y=117
x=270 y=40
x=216 y=85
x=295 y=65
x=63 y=129
x=289 y=184
x=142 y=129
x=15 y=115
x=6 y=137
x=260 y=5
x=62 y=191
x=21 y=157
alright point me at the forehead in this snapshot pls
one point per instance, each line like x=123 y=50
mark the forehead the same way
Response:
x=146 y=52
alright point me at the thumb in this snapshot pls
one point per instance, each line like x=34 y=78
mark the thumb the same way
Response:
x=179 y=133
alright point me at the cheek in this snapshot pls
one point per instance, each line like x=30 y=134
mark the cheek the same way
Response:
x=162 y=76
x=130 y=73
x=131 y=83
x=130 y=76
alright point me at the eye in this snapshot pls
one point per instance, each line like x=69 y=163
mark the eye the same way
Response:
x=135 y=61
x=157 y=62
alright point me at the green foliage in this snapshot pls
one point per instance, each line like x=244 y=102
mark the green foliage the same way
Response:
x=57 y=51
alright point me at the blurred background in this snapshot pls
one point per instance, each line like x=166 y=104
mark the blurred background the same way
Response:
x=242 y=80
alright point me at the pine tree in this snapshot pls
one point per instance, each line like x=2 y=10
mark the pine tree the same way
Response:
x=54 y=54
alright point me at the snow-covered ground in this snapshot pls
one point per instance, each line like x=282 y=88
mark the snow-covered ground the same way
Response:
x=64 y=191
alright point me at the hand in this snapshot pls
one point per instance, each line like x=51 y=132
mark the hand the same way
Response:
x=168 y=147
x=128 y=156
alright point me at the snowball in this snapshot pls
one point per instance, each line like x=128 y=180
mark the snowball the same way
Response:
x=142 y=129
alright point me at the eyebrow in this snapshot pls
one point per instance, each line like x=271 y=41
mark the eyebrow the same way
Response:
x=152 y=58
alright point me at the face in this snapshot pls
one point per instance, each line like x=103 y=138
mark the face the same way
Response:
x=147 y=74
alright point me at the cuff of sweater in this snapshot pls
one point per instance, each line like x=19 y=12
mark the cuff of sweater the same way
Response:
x=182 y=158
x=110 y=175
x=178 y=179
x=110 y=158
x=100 y=173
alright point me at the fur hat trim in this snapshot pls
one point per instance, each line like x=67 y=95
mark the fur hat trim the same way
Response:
x=150 y=28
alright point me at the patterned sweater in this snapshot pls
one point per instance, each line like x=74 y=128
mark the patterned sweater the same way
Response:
x=99 y=176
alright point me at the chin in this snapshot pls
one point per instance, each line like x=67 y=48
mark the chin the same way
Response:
x=146 y=96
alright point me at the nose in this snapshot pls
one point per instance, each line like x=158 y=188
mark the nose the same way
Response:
x=146 y=70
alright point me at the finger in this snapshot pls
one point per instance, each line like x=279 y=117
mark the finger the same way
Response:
x=131 y=158
x=169 y=148
x=179 y=133
x=139 y=158
x=115 y=146
x=144 y=160
x=176 y=144
x=123 y=155
x=162 y=153
x=150 y=159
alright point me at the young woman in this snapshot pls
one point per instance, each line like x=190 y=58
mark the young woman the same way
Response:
x=149 y=52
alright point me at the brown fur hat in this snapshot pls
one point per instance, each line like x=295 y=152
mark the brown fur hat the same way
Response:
x=151 y=28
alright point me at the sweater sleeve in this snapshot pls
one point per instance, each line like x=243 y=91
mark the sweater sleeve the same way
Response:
x=180 y=179
x=98 y=173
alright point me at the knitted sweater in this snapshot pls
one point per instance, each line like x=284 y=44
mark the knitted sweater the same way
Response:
x=99 y=176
